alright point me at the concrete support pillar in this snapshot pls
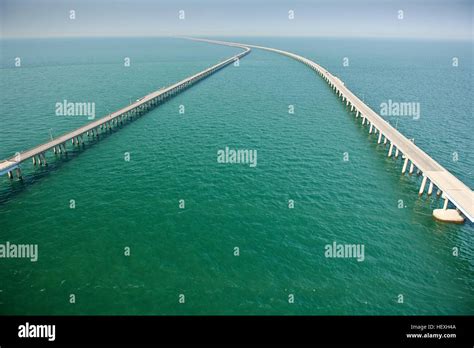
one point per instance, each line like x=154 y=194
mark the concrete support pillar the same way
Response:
x=385 y=140
x=34 y=160
x=396 y=152
x=430 y=188
x=422 y=187
x=10 y=175
x=18 y=173
x=404 y=169
x=445 y=205
x=370 y=130
x=363 y=120
x=390 y=150
x=438 y=193
x=380 y=138
x=412 y=166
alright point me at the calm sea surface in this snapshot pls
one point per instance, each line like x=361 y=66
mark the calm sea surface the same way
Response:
x=173 y=156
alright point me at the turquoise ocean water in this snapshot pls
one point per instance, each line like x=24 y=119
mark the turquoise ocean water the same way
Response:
x=173 y=156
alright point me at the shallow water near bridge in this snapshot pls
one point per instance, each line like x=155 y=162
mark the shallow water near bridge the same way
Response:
x=173 y=157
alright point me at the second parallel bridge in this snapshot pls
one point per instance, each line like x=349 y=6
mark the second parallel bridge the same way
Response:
x=58 y=145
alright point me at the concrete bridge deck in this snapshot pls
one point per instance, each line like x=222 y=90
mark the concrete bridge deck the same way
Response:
x=453 y=189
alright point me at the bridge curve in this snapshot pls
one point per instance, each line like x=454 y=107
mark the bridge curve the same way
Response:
x=452 y=189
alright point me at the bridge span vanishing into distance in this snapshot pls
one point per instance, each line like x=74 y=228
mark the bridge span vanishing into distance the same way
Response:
x=94 y=129
x=449 y=187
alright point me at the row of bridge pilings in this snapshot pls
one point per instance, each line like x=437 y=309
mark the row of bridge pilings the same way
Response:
x=393 y=151
x=110 y=122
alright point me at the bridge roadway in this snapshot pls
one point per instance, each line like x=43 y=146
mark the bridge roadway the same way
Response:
x=452 y=189
x=37 y=153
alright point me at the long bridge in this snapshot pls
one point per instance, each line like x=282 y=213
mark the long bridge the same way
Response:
x=450 y=187
x=94 y=129
x=436 y=176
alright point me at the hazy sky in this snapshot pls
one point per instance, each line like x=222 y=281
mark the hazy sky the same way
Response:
x=345 y=18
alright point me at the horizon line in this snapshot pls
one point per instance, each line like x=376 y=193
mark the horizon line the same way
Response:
x=420 y=38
